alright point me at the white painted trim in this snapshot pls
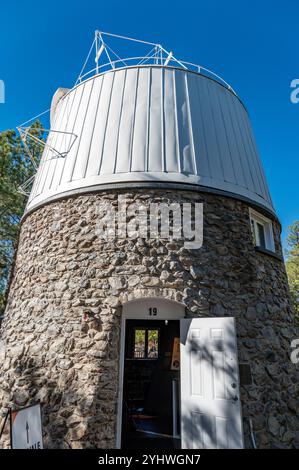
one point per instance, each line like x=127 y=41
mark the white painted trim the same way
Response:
x=268 y=228
x=134 y=309
x=207 y=402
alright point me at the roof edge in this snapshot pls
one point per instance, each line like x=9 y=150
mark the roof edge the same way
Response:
x=153 y=185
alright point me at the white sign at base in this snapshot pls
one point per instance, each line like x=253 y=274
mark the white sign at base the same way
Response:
x=26 y=428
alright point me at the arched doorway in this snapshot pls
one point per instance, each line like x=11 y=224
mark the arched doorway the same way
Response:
x=190 y=400
x=148 y=404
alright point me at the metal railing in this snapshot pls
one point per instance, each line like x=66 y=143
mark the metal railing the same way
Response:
x=157 y=56
x=154 y=62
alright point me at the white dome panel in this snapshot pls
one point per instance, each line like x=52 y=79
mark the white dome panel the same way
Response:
x=150 y=124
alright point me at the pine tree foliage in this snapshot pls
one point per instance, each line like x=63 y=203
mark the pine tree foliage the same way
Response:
x=292 y=263
x=15 y=169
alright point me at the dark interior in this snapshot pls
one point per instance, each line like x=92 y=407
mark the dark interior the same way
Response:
x=148 y=384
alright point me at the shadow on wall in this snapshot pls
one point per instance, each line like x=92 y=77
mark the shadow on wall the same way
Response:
x=77 y=389
x=201 y=428
x=76 y=383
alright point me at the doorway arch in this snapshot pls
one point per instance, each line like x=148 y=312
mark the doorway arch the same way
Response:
x=149 y=308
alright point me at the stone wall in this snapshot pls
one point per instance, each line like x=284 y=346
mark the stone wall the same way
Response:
x=60 y=337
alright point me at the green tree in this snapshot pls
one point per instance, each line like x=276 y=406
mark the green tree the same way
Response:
x=15 y=169
x=292 y=263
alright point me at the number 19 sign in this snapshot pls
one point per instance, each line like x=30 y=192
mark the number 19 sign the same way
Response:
x=26 y=428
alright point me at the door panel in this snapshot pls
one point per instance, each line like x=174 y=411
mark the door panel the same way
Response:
x=210 y=402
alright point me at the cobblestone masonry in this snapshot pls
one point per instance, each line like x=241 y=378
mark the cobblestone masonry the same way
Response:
x=48 y=352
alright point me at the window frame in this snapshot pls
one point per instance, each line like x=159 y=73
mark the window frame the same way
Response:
x=255 y=219
x=146 y=329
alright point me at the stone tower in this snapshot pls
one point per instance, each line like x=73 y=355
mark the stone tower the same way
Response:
x=154 y=133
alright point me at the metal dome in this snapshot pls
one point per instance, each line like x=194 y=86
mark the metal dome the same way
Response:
x=151 y=125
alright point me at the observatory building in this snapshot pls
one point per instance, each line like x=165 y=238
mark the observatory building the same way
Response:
x=129 y=335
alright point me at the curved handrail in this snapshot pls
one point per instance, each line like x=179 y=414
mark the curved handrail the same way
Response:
x=146 y=60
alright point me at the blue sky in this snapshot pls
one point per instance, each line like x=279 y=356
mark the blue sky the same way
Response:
x=252 y=44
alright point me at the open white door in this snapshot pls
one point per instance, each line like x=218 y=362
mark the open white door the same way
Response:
x=210 y=402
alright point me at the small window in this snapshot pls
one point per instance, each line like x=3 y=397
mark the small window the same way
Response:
x=262 y=231
x=261 y=235
x=139 y=344
x=146 y=343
